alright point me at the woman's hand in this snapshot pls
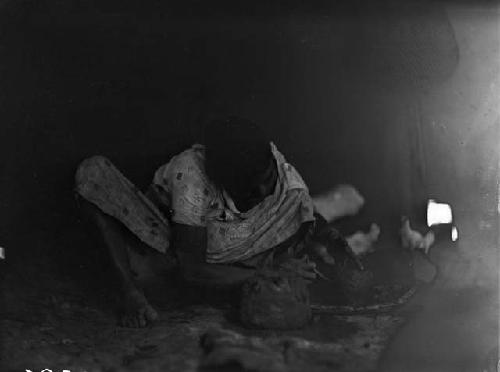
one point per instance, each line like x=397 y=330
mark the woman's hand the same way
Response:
x=322 y=252
x=331 y=247
x=303 y=267
x=343 y=200
x=348 y=200
x=340 y=244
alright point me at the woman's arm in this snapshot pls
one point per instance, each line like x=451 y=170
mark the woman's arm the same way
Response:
x=190 y=244
x=333 y=243
x=341 y=201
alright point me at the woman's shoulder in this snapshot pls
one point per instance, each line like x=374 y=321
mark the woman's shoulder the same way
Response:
x=193 y=156
x=189 y=162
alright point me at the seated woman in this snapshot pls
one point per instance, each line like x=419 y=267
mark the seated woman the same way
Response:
x=220 y=211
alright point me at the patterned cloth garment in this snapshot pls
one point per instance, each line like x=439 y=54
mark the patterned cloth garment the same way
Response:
x=183 y=186
x=234 y=236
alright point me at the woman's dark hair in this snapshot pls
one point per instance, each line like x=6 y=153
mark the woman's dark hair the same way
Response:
x=237 y=150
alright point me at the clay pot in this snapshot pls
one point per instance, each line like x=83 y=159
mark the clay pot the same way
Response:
x=275 y=300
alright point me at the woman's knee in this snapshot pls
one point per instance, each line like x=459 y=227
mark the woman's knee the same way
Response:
x=89 y=167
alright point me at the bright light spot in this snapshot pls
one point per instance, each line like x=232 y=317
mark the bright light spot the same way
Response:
x=438 y=213
x=454 y=234
x=2 y=253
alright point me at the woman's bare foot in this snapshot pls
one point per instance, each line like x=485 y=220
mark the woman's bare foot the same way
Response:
x=138 y=312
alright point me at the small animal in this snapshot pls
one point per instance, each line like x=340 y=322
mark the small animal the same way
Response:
x=412 y=239
x=362 y=243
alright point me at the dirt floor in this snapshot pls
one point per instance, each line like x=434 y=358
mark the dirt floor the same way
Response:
x=56 y=319
x=52 y=335
x=59 y=318
x=455 y=327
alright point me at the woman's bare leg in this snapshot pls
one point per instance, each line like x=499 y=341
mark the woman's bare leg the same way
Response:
x=137 y=312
